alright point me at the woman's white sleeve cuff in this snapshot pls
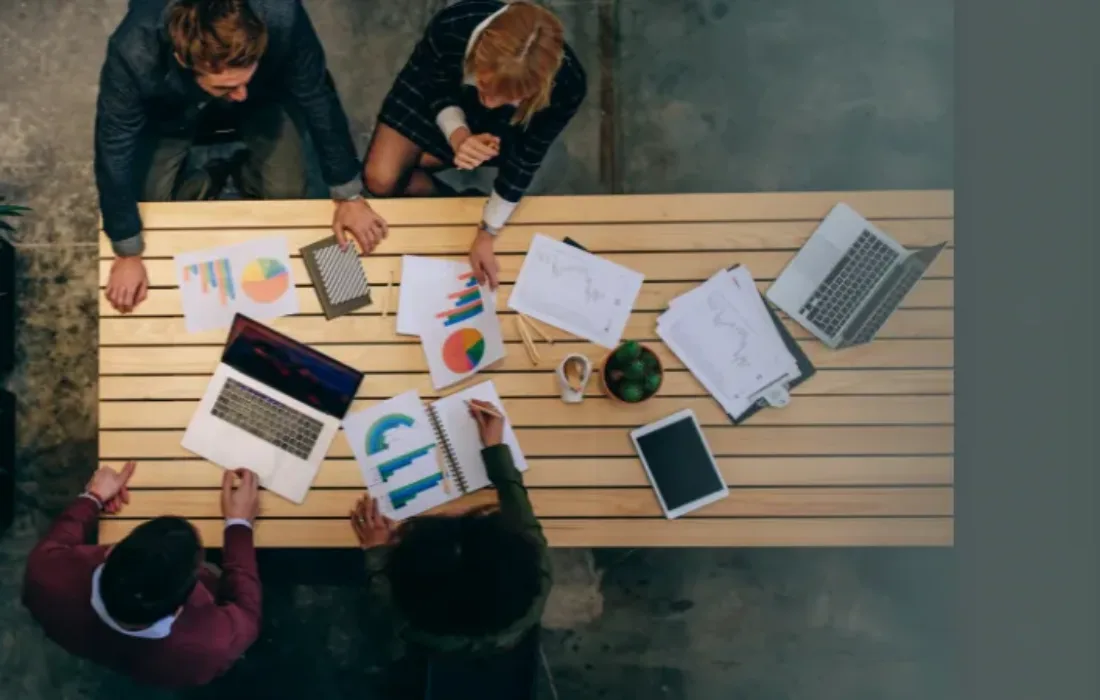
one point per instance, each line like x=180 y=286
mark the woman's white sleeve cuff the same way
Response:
x=497 y=211
x=450 y=120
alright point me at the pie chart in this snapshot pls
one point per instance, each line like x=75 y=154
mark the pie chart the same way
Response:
x=463 y=350
x=265 y=280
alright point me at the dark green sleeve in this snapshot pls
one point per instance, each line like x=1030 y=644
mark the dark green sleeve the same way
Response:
x=516 y=509
x=378 y=586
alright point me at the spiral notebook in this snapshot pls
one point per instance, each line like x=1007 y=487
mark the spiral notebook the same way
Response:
x=416 y=456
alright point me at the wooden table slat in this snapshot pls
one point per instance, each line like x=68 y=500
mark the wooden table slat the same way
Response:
x=928 y=293
x=677 y=383
x=598 y=238
x=586 y=503
x=741 y=440
x=627 y=532
x=615 y=472
x=774 y=206
x=318 y=331
x=601 y=412
x=657 y=267
x=882 y=354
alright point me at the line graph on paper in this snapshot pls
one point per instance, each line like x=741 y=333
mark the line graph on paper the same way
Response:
x=576 y=291
x=730 y=326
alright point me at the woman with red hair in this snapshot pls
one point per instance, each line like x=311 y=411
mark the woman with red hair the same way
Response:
x=490 y=83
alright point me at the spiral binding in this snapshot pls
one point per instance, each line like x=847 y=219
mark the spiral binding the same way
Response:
x=448 y=451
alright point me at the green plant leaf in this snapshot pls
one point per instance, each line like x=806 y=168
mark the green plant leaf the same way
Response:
x=634 y=371
x=652 y=383
x=630 y=350
x=631 y=393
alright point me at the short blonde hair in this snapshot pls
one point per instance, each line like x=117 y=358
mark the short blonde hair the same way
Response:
x=210 y=36
x=517 y=56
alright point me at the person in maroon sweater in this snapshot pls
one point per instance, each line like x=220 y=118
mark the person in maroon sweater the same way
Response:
x=148 y=607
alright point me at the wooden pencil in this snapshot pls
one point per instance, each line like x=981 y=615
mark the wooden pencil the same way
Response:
x=525 y=336
x=487 y=411
x=533 y=325
x=386 y=298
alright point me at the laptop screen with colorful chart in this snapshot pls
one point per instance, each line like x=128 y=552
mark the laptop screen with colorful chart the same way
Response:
x=253 y=278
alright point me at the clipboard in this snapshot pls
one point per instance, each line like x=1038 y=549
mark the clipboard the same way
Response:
x=805 y=367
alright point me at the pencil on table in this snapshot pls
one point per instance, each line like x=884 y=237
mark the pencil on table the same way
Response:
x=386 y=298
x=528 y=344
x=531 y=324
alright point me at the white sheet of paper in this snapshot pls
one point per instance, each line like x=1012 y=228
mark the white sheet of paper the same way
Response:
x=576 y=291
x=253 y=278
x=454 y=415
x=458 y=351
x=426 y=288
x=718 y=342
x=397 y=450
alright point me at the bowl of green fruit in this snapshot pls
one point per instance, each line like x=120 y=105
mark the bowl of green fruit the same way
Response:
x=632 y=373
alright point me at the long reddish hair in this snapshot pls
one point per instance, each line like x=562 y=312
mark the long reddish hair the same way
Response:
x=517 y=56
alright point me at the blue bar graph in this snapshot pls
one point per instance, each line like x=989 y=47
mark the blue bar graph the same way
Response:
x=399 y=498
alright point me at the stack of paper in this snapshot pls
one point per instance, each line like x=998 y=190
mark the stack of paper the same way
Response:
x=724 y=334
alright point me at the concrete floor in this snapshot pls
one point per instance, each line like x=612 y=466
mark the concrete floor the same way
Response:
x=717 y=95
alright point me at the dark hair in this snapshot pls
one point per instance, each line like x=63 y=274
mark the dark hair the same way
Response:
x=212 y=35
x=150 y=573
x=467 y=576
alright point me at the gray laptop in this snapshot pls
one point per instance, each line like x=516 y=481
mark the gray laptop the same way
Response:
x=848 y=278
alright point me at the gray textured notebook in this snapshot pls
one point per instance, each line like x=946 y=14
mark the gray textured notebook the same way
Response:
x=338 y=277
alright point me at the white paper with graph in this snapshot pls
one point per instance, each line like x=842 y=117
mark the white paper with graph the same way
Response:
x=722 y=332
x=253 y=278
x=415 y=457
x=576 y=291
x=455 y=318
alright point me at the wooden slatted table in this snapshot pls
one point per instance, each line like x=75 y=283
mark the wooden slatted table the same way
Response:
x=862 y=456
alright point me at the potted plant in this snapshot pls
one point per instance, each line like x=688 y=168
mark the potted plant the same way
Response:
x=7 y=211
x=632 y=373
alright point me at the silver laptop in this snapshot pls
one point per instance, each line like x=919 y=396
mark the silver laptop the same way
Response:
x=848 y=278
x=273 y=406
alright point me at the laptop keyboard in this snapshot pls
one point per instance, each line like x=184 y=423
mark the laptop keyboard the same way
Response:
x=267 y=419
x=849 y=282
x=888 y=303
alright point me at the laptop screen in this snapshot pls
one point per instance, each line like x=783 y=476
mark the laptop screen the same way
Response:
x=288 y=366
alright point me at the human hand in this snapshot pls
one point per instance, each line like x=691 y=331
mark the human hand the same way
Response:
x=484 y=261
x=243 y=499
x=371 y=527
x=110 y=487
x=490 y=427
x=356 y=217
x=471 y=150
x=128 y=284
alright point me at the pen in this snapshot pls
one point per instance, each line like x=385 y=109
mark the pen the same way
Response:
x=482 y=409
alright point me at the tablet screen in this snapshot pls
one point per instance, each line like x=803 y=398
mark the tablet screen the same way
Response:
x=681 y=466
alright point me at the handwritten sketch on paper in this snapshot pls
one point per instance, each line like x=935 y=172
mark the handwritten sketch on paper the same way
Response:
x=253 y=278
x=576 y=291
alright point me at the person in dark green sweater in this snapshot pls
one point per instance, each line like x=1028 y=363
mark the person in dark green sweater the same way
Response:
x=475 y=583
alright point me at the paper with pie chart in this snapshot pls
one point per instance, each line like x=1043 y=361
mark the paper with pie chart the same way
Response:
x=462 y=334
x=398 y=453
x=253 y=278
